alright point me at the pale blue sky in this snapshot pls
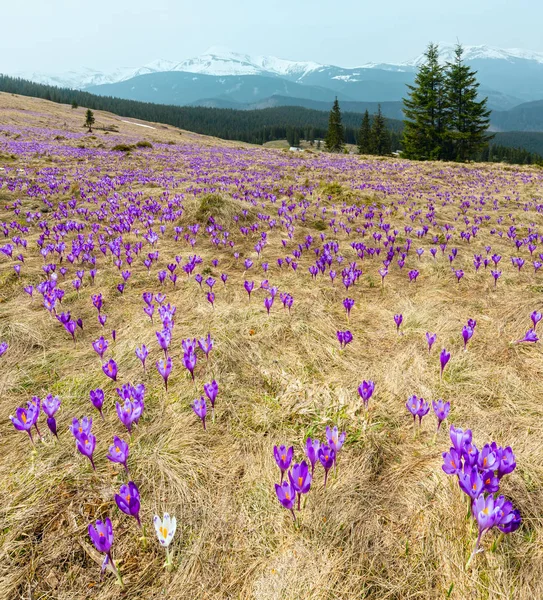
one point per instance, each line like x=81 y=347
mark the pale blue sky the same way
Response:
x=56 y=35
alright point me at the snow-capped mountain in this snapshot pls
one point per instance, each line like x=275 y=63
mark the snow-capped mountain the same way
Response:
x=219 y=61
x=507 y=77
x=222 y=61
x=90 y=77
x=471 y=53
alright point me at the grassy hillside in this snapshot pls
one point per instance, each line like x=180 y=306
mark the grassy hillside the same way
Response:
x=390 y=523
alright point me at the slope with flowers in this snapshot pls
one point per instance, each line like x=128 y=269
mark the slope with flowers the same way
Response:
x=240 y=265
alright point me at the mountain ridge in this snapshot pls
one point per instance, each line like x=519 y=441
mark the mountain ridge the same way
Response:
x=220 y=61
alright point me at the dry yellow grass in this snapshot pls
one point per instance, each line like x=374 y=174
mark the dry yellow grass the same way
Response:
x=391 y=524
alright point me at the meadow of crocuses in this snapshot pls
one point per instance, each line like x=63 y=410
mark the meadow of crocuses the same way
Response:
x=234 y=372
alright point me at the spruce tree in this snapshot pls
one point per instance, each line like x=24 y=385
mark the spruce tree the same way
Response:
x=380 y=136
x=467 y=117
x=424 y=109
x=74 y=104
x=335 y=136
x=89 y=119
x=364 y=135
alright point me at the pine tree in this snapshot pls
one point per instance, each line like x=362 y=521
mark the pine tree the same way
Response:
x=467 y=117
x=424 y=110
x=380 y=136
x=74 y=104
x=364 y=135
x=89 y=119
x=336 y=135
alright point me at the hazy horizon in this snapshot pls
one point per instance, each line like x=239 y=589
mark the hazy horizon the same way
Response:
x=59 y=37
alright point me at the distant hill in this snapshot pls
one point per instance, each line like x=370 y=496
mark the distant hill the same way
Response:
x=391 y=110
x=531 y=141
x=525 y=117
x=255 y=126
x=185 y=88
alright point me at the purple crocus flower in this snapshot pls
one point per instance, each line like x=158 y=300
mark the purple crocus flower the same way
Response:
x=128 y=500
x=200 y=409
x=97 y=399
x=80 y=427
x=286 y=494
x=398 y=319
x=142 y=353
x=327 y=458
x=118 y=452
x=424 y=408
x=110 y=369
x=97 y=301
x=125 y=412
x=268 y=303
x=100 y=346
x=530 y=336
x=536 y=317
x=86 y=443
x=211 y=390
x=70 y=327
x=452 y=462
x=344 y=338
x=491 y=482
x=3 y=348
x=335 y=439
x=101 y=535
x=507 y=462
x=50 y=404
x=26 y=418
x=149 y=311
x=509 y=518
x=470 y=454
x=444 y=358
x=147 y=298
x=413 y=405
x=283 y=458
x=487 y=458
x=430 y=338
x=311 y=450
x=164 y=367
x=348 y=304
x=365 y=390
x=300 y=479
x=441 y=410
x=249 y=286
x=164 y=338
x=189 y=360
x=467 y=333
x=206 y=345
x=471 y=482
x=460 y=438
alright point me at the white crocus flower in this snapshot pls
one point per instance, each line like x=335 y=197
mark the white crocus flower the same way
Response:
x=165 y=530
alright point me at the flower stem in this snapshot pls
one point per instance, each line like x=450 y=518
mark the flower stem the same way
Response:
x=475 y=549
x=117 y=572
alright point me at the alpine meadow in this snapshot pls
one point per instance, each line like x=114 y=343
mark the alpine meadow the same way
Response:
x=270 y=329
